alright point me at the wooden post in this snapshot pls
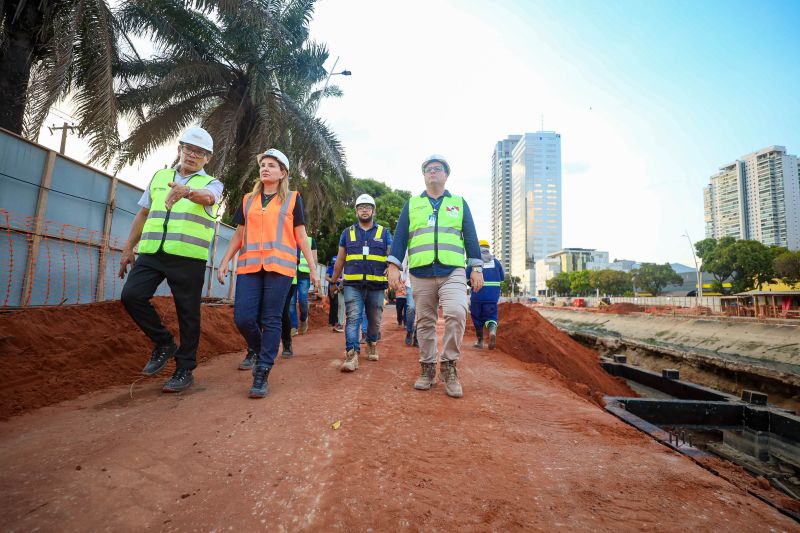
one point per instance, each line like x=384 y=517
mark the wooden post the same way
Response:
x=213 y=259
x=105 y=246
x=41 y=208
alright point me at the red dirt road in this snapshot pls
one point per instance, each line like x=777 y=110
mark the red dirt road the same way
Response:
x=519 y=452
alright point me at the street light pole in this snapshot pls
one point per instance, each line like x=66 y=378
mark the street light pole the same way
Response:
x=328 y=79
x=699 y=292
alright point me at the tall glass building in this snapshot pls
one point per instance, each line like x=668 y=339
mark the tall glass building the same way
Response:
x=757 y=197
x=501 y=200
x=535 y=203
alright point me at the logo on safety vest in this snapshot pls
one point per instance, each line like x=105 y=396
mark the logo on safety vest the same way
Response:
x=453 y=210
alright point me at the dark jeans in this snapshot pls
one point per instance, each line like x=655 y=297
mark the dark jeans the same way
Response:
x=400 y=306
x=333 y=312
x=257 y=311
x=286 y=322
x=185 y=277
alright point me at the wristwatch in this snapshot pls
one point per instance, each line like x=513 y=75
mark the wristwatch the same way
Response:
x=479 y=270
x=190 y=192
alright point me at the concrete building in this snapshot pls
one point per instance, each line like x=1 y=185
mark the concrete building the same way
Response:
x=501 y=200
x=568 y=260
x=757 y=197
x=535 y=203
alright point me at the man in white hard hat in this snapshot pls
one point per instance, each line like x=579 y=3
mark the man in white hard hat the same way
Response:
x=174 y=229
x=363 y=248
x=436 y=229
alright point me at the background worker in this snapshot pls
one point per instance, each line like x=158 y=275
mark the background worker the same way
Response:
x=483 y=303
x=174 y=229
x=333 y=301
x=300 y=296
x=411 y=309
x=436 y=229
x=363 y=248
x=270 y=224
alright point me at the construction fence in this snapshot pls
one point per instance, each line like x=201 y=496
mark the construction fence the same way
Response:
x=63 y=225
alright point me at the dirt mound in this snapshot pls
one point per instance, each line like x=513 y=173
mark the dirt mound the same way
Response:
x=622 y=308
x=529 y=337
x=59 y=353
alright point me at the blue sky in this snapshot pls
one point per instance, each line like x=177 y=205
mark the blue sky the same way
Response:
x=650 y=98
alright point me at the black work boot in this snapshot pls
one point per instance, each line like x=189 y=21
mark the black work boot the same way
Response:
x=409 y=338
x=248 y=361
x=180 y=380
x=479 y=334
x=260 y=387
x=159 y=359
x=492 y=335
x=287 y=351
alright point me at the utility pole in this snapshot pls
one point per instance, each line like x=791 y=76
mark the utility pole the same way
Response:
x=67 y=127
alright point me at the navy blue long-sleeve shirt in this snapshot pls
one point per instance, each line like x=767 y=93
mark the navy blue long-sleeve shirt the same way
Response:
x=437 y=269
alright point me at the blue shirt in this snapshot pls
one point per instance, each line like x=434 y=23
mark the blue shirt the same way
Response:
x=436 y=269
x=363 y=235
x=491 y=272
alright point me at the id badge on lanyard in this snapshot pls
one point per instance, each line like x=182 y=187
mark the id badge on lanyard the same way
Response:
x=432 y=220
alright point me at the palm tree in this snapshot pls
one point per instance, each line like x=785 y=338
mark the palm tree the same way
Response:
x=246 y=70
x=51 y=48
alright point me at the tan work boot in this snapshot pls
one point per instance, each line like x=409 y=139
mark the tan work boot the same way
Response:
x=303 y=327
x=372 y=351
x=452 y=387
x=427 y=376
x=350 y=362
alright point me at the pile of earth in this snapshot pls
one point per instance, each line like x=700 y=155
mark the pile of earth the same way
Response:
x=58 y=353
x=529 y=337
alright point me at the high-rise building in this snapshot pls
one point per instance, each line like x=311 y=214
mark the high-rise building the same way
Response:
x=757 y=197
x=535 y=203
x=501 y=200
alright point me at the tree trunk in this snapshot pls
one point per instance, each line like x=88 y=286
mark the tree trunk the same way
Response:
x=16 y=58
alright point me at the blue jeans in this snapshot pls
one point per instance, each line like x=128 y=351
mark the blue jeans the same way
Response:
x=364 y=321
x=411 y=311
x=260 y=298
x=358 y=301
x=301 y=296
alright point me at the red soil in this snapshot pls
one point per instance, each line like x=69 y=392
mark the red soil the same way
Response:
x=59 y=353
x=517 y=453
x=529 y=337
x=621 y=308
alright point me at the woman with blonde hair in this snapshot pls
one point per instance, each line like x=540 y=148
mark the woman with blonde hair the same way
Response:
x=270 y=225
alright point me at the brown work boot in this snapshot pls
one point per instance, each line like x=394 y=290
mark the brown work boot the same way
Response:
x=350 y=362
x=452 y=387
x=372 y=351
x=427 y=376
x=303 y=327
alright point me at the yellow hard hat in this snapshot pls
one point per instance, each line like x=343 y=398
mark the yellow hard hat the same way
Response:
x=483 y=242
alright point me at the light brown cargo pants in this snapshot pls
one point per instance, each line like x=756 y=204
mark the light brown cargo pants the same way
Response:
x=451 y=292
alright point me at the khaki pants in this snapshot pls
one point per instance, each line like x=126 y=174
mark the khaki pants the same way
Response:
x=451 y=292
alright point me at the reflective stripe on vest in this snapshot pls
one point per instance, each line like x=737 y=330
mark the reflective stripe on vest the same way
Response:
x=370 y=267
x=185 y=230
x=303 y=266
x=491 y=283
x=442 y=241
x=268 y=242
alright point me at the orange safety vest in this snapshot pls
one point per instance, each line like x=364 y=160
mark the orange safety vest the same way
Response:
x=268 y=241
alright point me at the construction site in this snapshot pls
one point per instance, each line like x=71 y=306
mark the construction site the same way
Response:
x=544 y=439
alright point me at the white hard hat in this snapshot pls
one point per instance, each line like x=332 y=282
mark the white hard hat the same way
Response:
x=198 y=137
x=365 y=199
x=436 y=157
x=276 y=154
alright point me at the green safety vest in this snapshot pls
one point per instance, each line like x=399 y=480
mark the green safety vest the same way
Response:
x=435 y=236
x=303 y=266
x=185 y=230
